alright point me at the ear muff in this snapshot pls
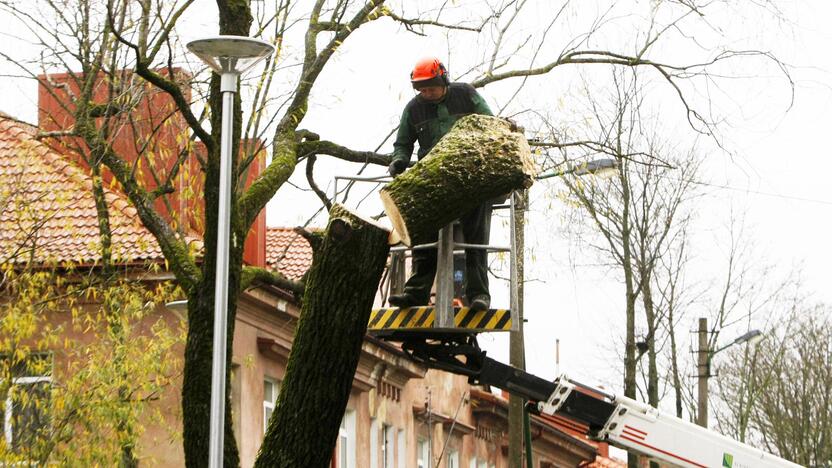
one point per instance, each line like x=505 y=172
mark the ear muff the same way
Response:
x=443 y=72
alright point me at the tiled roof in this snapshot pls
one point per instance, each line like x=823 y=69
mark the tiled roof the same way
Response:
x=287 y=252
x=46 y=202
x=47 y=211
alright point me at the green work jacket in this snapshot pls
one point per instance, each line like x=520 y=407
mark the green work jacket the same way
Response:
x=427 y=122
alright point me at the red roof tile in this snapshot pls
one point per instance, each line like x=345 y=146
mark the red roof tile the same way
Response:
x=47 y=211
x=287 y=252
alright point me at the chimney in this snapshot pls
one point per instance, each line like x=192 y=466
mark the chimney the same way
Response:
x=254 y=250
x=150 y=140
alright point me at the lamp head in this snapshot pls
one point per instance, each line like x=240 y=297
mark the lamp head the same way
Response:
x=230 y=54
x=603 y=168
x=751 y=337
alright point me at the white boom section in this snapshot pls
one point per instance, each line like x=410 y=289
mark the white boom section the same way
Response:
x=637 y=427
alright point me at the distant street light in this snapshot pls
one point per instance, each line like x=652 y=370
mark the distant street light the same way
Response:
x=228 y=56
x=751 y=337
x=598 y=167
x=704 y=364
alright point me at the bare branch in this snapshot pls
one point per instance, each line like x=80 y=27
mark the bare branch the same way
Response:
x=332 y=149
x=253 y=275
x=310 y=166
x=410 y=23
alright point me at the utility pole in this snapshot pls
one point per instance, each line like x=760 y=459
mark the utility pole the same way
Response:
x=517 y=353
x=703 y=373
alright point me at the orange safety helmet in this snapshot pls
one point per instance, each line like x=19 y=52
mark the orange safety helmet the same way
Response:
x=429 y=71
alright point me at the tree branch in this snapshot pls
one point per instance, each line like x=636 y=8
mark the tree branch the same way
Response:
x=174 y=249
x=310 y=166
x=252 y=275
x=410 y=23
x=314 y=238
x=332 y=149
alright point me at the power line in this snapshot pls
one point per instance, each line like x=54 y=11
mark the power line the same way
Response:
x=768 y=194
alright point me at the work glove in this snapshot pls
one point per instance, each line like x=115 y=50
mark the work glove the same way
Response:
x=397 y=167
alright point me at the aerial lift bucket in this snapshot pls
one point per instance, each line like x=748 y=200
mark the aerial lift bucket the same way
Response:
x=446 y=315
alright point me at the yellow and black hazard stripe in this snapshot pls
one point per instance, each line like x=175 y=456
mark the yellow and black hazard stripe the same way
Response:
x=491 y=319
x=412 y=317
x=423 y=318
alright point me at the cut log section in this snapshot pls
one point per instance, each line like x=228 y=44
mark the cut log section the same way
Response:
x=347 y=265
x=479 y=159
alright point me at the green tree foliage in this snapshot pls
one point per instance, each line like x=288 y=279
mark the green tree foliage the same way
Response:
x=79 y=364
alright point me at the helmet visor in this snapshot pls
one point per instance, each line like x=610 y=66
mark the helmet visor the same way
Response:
x=435 y=81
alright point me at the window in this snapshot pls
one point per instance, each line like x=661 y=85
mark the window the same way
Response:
x=453 y=459
x=422 y=453
x=478 y=463
x=270 y=392
x=346 y=441
x=373 y=443
x=402 y=447
x=23 y=413
x=388 y=435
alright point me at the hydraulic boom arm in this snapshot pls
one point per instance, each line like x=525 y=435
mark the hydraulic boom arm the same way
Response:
x=621 y=421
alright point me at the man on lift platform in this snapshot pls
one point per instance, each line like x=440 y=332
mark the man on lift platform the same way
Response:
x=427 y=118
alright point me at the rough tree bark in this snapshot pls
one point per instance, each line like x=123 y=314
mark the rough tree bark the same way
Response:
x=347 y=264
x=482 y=157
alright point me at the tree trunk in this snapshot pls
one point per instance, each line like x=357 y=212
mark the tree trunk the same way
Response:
x=631 y=294
x=652 y=326
x=517 y=348
x=340 y=288
x=481 y=158
x=674 y=362
x=234 y=19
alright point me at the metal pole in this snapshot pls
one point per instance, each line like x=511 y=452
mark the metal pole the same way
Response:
x=527 y=434
x=215 y=454
x=703 y=373
x=517 y=354
x=445 y=278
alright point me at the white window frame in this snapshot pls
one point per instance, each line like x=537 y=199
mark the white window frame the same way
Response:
x=268 y=406
x=345 y=457
x=401 y=447
x=453 y=459
x=422 y=452
x=374 y=443
x=8 y=406
x=478 y=463
x=388 y=442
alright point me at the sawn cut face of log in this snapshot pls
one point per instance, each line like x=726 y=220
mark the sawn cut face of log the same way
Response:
x=347 y=265
x=481 y=158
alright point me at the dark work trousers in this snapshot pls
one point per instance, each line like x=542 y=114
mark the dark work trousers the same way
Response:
x=476 y=228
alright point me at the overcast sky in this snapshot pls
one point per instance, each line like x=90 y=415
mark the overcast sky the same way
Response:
x=775 y=170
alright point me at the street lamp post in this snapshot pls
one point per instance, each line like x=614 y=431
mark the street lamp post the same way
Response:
x=228 y=56
x=704 y=357
x=517 y=353
x=599 y=167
